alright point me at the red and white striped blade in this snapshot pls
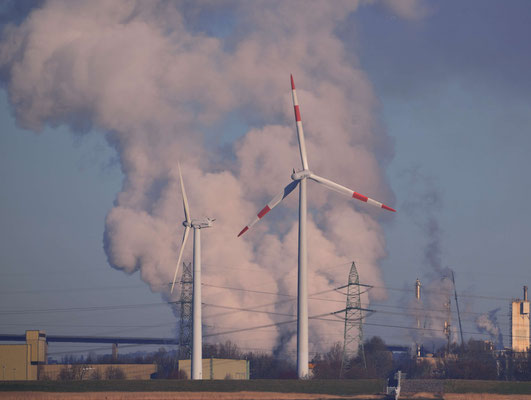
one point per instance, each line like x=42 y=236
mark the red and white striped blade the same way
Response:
x=185 y=236
x=342 y=189
x=276 y=200
x=300 y=132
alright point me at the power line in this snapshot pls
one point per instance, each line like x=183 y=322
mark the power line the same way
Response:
x=248 y=290
x=445 y=293
x=92 y=325
x=147 y=305
x=72 y=309
x=247 y=310
x=63 y=290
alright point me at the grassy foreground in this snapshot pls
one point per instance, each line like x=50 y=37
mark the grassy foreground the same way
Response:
x=334 y=387
x=495 y=387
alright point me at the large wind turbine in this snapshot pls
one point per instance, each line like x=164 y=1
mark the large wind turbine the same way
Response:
x=299 y=178
x=196 y=225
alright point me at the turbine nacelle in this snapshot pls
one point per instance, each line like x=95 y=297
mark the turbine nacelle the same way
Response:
x=297 y=176
x=201 y=223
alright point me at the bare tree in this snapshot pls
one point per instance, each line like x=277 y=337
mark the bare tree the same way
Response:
x=114 y=373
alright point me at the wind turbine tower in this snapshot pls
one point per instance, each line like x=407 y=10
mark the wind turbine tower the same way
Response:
x=196 y=225
x=300 y=178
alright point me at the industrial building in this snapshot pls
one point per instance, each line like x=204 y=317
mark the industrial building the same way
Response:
x=27 y=361
x=520 y=324
x=219 y=368
x=21 y=361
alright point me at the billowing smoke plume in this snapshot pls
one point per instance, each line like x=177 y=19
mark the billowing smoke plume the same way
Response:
x=488 y=323
x=165 y=81
x=434 y=308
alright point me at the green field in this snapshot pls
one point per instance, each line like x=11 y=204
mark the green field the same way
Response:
x=498 y=387
x=334 y=387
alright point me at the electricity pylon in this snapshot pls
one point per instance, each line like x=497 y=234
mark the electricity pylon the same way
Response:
x=353 y=334
x=185 y=323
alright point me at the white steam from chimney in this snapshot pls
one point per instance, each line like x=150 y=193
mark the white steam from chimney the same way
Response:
x=488 y=323
x=146 y=74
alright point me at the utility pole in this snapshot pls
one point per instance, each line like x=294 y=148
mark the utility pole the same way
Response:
x=447 y=323
x=458 y=313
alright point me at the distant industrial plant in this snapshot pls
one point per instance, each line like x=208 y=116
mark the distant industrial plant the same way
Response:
x=29 y=360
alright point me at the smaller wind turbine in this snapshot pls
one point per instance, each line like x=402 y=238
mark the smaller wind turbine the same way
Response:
x=196 y=225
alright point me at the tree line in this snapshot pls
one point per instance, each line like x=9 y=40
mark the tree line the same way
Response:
x=473 y=360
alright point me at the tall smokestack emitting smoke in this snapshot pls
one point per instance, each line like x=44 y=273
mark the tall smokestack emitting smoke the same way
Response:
x=422 y=208
x=417 y=311
x=148 y=76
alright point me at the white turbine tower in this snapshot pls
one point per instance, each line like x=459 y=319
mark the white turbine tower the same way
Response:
x=196 y=225
x=299 y=177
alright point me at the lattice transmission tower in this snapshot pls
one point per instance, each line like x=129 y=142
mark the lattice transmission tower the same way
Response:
x=185 y=323
x=353 y=334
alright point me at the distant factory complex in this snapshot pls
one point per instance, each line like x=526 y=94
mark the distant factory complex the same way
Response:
x=29 y=360
x=520 y=324
x=519 y=321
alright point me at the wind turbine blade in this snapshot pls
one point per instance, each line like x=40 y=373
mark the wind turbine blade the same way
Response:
x=342 y=189
x=185 y=236
x=276 y=200
x=300 y=132
x=185 y=199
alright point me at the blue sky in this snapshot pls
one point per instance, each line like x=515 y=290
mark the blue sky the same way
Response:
x=58 y=191
x=454 y=97
x=454 y=89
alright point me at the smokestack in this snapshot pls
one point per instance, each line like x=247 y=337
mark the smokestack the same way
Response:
x=525 y=293
x=114 y=352
x=417 y=289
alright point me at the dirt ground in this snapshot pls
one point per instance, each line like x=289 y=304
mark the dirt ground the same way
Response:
x=175 y=396
x=479 y=396
x=468 y=396
x=237 y=396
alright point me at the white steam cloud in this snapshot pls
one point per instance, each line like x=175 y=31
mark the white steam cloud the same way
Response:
x=488 y=323
x=433 y=310
x=158 y=85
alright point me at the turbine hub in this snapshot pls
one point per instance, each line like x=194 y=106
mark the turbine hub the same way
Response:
x=297 y=176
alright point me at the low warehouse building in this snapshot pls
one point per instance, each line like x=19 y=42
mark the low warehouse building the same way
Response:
x=20 y=362
x=27 y=362
x=219 y=368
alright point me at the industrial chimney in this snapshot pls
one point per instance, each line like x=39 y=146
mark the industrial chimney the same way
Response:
x=417 y=289
x=525 y=293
